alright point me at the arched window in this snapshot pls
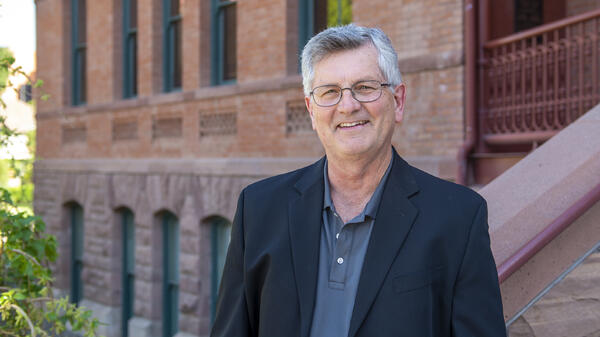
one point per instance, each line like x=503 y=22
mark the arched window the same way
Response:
x=170 y=237
x=76 y=263
x=220 y=236
x=127 y=268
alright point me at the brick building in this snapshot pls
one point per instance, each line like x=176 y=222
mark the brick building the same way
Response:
x=161 y=111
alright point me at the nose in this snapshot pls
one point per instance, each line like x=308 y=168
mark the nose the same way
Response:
x=348 y=103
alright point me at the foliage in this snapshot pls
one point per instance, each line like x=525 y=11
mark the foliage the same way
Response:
x=6 y=61
x=333 y=17
x=27 y=306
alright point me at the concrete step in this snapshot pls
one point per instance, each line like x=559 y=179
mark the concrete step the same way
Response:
x=569 y=309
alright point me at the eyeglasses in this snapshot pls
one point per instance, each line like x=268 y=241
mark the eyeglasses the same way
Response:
x=363 y=91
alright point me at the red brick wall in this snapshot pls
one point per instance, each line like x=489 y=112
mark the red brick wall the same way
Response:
x=419 y=30
x=261 y=39
x=575 y=7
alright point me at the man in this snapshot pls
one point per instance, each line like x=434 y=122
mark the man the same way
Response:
x=359 y=243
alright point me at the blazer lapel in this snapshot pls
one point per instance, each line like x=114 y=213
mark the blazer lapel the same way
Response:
x=394 y=220
x=305 y=213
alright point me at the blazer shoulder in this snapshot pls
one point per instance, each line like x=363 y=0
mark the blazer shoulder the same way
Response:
x=432 y=185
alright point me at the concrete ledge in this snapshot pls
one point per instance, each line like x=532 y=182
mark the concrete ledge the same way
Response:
x=441 y=166
x=110 y=317
x=143 y=327
x=534 y=192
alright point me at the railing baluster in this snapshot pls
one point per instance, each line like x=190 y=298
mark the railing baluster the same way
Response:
x=555 y=102
x=581 y=43
x=568 y=74
x=595 y=68
x=540 y=80
x=524 y=62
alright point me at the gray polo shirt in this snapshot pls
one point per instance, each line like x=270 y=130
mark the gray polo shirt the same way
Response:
x=341 y=255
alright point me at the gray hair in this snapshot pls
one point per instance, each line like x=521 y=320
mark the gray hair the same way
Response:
x=349 y=37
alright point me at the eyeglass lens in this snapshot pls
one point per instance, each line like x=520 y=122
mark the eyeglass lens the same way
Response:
x=364 y=91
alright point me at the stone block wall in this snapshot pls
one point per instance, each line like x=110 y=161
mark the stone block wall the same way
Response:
x=191 y=197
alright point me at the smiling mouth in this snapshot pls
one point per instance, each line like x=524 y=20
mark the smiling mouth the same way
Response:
x=351 y=124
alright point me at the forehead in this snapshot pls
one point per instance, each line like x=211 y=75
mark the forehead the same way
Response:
x=348 y=66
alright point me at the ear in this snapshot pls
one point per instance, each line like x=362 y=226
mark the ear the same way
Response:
x=309 y=107
x=400 y=98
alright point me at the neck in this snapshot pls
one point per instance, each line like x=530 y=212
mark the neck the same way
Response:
x=352 y=182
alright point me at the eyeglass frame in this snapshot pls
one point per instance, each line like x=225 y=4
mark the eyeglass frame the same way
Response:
x=382 y=85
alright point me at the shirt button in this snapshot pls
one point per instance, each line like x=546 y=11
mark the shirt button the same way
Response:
x=340 y=260
x=337 y=235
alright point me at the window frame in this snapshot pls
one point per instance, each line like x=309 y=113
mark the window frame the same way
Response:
x=218 y=43
x=170 y=281
x=130 y=88
x=306 y=19
x=169 y=47
x=78 y=56
x=127 y=269
x=219 y=228
x=77 y=251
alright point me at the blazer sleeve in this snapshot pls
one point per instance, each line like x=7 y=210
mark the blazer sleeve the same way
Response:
x=231 y=319
x=477 y=304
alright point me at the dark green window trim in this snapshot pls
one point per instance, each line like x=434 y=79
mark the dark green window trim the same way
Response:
x=220 y=236
x=223 y=42
x=316 y=15
x=128 y=268
x=172 y=46
x=78 y=52
x=170 y=234
x=76 y=215
x=129 y=48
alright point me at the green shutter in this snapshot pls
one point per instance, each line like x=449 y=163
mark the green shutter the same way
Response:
x=172 y=46
x=78 y=51
x=220 y=237
x=128 y=268
x=129 y=48
x=170 y=231
x=222 y=41
x=76 y=253
x=312 y=20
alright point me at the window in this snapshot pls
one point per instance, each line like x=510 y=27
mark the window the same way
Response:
x=170 y=235
x=172 y=45
x=220 y=236
x=317 y=15
x=76 y=225
x=224 y=41
x=128 y=268
x=78 y=42
x=129 y=48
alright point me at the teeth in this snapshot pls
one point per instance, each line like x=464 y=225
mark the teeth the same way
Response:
x=351 y=124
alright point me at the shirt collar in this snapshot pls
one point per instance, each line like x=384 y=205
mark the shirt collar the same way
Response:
x=371 y=206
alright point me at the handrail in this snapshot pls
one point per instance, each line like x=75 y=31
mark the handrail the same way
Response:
x=557 y=226
x=542 y=29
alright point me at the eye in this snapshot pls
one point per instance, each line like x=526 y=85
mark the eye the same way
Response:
x=364 y=87
x=328 y=92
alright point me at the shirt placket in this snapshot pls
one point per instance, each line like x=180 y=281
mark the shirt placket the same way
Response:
x=341 y=253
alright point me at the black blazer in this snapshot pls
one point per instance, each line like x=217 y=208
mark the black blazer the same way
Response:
x=428 y=269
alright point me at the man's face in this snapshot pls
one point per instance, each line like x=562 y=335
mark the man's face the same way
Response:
x=351 y=129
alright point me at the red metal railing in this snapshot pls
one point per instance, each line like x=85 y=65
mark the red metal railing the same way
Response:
x=539 y=81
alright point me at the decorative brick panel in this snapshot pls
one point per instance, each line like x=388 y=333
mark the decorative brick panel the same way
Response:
x=74 y=134
x=214 y=124
x=124 y=130
x=297 y=119
x=170 y=127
